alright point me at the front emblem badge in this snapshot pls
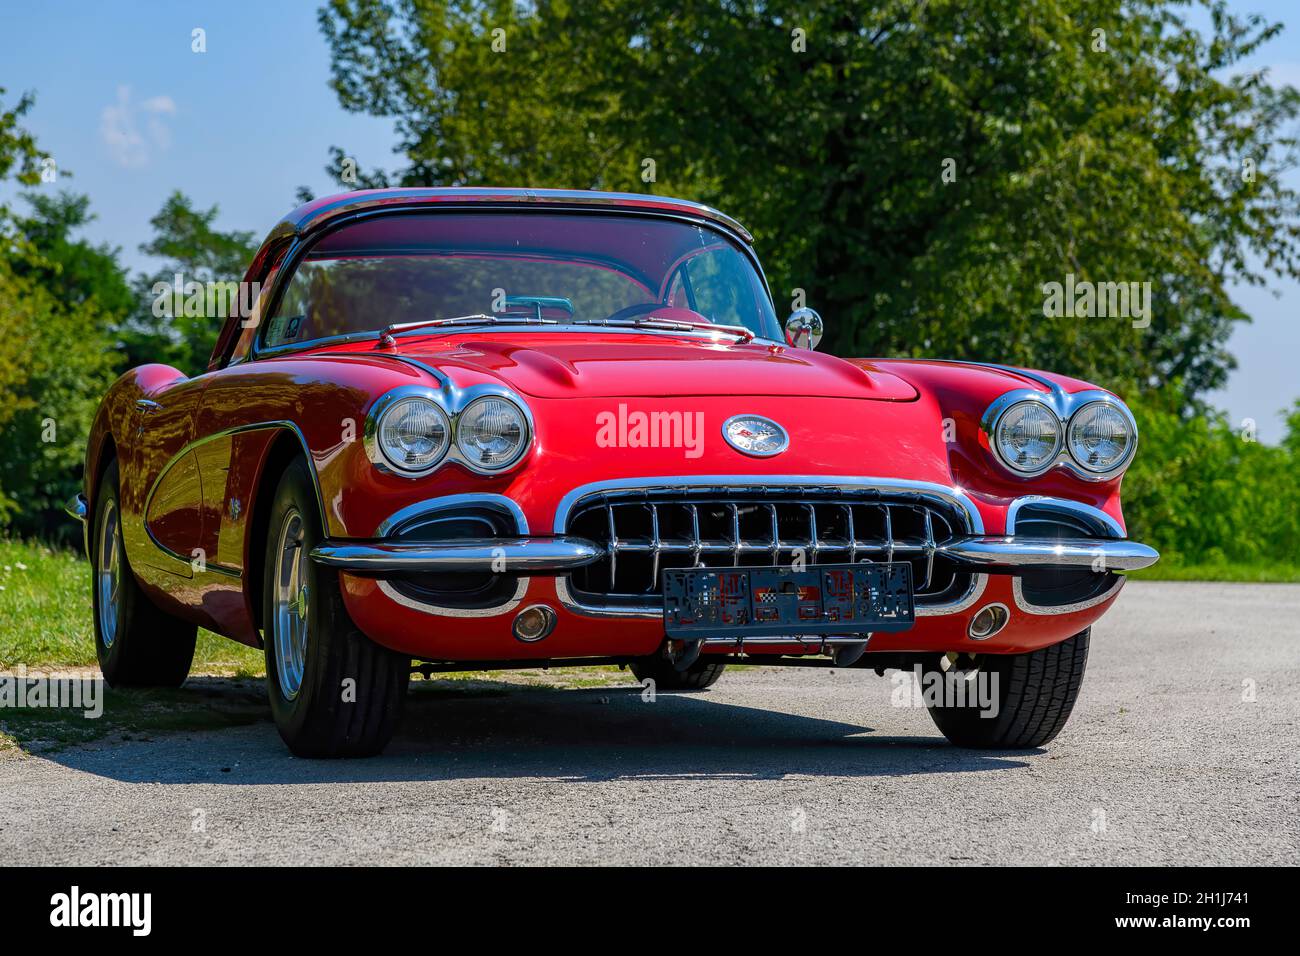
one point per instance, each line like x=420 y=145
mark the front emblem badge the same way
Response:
x=755 y=435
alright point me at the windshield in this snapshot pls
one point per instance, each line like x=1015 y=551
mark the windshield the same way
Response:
x=561 y=269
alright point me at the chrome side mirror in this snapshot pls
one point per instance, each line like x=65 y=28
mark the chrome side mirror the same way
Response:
x=803 y=329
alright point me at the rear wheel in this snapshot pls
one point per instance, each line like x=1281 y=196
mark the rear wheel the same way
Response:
x=1034 y=693
x=137 y=644
x=698 y=676
x=333 y=691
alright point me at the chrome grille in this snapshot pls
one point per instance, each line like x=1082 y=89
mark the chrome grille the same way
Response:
x=648 y=530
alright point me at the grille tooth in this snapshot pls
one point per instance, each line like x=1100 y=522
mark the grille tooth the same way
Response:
x=649 y=530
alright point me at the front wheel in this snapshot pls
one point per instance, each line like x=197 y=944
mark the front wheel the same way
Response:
x=333 y=691
x=137 y=644
x=1034 y=694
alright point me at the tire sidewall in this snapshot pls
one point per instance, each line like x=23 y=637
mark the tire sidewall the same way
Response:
x=295 y=491
x=110 y=658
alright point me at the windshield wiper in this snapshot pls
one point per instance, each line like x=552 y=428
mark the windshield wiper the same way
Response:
x=669 y=325
x=389 y=335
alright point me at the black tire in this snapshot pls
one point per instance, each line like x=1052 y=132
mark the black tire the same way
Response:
x=698 y=676
x=142 y=646
x=1036 y=693
x=327 y=716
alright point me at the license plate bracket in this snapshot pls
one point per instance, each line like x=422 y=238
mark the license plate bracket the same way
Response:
x=824 y=599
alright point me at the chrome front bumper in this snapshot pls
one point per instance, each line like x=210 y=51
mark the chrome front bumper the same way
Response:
x=1011 y=552
x=539 y=555
x=466 y=555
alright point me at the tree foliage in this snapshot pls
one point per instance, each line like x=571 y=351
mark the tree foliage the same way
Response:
x=187 y=239
x=1101 y=138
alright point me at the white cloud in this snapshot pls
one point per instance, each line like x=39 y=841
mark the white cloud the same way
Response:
x=120 y=128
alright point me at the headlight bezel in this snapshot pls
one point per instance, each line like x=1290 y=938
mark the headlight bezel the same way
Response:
x=1064 y=406
x=525 y=440
x=1130 y=450
x=452 y=402
x=996 y=444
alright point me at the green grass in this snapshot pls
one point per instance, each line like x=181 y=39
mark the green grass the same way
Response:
x=45 y=616
x=1260 y=573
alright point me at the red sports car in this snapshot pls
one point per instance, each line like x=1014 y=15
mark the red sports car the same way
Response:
x=482 y=428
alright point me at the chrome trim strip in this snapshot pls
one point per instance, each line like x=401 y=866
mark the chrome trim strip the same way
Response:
x=300 y=221
x=445 y=503
x=1017 y=592
x=237 y=430
x=439 y=611
x=1104 y=523
x=723 y=483
x=450 y=502
x=471 y=555
x=1011 y=552
x=978 y=583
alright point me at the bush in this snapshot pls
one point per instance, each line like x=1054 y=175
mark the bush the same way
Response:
x=1203 y=493
x=55 y=365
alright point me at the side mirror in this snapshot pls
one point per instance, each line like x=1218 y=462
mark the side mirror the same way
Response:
x=803 y=329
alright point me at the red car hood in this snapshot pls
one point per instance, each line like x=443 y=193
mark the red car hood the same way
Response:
x=573 y=364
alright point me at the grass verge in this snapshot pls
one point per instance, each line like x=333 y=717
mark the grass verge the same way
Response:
x=45 y=616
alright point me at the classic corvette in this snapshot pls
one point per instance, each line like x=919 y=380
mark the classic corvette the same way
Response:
x=483 y=428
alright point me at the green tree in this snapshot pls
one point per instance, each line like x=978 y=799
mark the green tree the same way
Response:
x=55 y=364
x=57 y=296
x=75 y=272
x=19 y=155
x=922 y=171
x=193 y=248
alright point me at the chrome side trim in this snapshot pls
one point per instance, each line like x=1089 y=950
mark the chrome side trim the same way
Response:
x=1011 y=552
x=1017 y=592
x=237 y=430
x=470 y=555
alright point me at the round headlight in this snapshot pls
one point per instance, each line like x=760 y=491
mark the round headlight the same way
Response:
x=413 y=434
x=1028 y=436
x=491 y=433
x=1100 y=437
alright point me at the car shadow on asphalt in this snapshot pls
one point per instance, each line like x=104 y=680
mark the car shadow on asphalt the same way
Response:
x=459 y=729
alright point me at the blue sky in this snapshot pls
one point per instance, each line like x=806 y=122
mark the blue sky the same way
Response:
x=126 y=106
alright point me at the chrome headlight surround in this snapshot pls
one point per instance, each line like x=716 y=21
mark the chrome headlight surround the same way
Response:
x=525 y=438
x=1130 y=450
x=1064 y=405
x=451 y=401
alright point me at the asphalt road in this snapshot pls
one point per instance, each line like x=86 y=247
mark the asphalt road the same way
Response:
x=1162 y=762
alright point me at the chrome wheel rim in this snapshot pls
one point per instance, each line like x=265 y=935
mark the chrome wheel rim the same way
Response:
x=291 y=598
x=108 y=573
